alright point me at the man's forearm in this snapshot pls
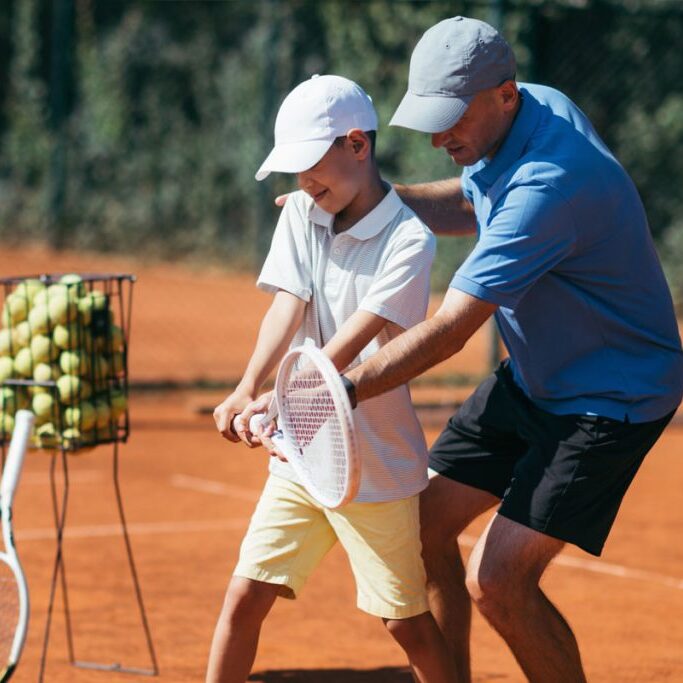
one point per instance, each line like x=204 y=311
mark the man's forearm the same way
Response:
x=441 y=205
x=421 y=347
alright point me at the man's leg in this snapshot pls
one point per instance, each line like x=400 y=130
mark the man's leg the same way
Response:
x=237 y=632
x=503 y=575
x=446 y=508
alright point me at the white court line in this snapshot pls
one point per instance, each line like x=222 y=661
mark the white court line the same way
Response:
x=600 y=567
x=183 y=481
x=139 y=529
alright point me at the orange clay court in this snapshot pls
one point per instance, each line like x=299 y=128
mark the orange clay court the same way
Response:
x=188 y=496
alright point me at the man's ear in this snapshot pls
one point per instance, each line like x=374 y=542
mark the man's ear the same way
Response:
x=509 y=94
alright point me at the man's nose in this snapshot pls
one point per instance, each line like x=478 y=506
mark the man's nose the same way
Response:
x=439 y=139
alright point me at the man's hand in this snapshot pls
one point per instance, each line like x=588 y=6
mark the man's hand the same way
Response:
x=225 y=413
x=281 y=199
x=258 y=407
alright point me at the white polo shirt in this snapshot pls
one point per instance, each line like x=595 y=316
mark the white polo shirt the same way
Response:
x=381 y=265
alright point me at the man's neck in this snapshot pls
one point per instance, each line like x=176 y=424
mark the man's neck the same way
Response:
x=370 y=195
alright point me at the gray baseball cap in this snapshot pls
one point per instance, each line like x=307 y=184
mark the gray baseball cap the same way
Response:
x=452 y=62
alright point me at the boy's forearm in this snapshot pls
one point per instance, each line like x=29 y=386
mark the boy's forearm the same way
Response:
x=277 y=330
x=352 y=337
x=441 y=205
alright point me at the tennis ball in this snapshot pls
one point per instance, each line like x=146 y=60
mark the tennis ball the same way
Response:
x=43 y=349
x=94 y=301
x=29 y=288
x=22 y=334
x=46 y=435
x=102 y=414
x=74 y=363
x=44 y=372
x=82 y=416
x=9 y=344
x=15 y=309
x=11 y=400
x=60 y=290
x=72 y=336
x=23 y=363
x=6 y=425
x=74 y=283
x=39 y=319
x=118 y=365
x=62 y=310
x=118 y=404
x=44 y=407
x=71 y=438
x=40 y=298
x=6 y=368
x=73 y=389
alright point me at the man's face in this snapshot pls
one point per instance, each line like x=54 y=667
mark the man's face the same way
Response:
x=482 y=128
x=334 y=181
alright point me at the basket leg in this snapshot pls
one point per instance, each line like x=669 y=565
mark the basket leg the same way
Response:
x=154 y=670
x=58 y=570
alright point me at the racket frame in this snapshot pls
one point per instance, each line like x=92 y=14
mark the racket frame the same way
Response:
x=10 y=478
x=344 y=412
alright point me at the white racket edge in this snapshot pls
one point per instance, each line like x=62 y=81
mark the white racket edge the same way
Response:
x=10 y=479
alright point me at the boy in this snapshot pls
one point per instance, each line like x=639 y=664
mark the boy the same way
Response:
x=349 y=267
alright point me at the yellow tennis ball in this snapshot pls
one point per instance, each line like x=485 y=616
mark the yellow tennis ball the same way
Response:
x=102 y=415
x=29 y=288
x=46 y=435
x=22 y=334
x=12 y=399
x=9 y=343
x=15 y=309
x=93 y=301
x=71 y=438
x=43 y=349
x=75 y=285
x=39 y=319
x=6 y=425
x=118 y=404
x=71 y=336
x=74 y=363
x=62 y=310
x=23 y=363
x=44 y=407
x=73 y=389
x=40 y=298
x=59 y=290
x=82 y=416
x=6 y=368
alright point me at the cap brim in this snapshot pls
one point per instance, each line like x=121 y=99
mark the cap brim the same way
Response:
x=429 y=114
x=293 y=157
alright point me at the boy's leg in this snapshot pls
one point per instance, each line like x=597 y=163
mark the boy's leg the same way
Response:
x=233 y=648
x=382 y=541
x=287 y=537
x=424 y=644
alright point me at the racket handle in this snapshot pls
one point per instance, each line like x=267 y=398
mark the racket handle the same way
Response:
x=23 y=423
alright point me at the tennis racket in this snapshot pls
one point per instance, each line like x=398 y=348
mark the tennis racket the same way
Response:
x=316 y=431
x=13 y=589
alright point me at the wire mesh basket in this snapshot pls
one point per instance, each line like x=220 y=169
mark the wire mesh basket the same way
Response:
x=64 y=355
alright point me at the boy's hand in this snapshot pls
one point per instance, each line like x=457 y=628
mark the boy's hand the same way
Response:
x=225 y=413
x=259 y=406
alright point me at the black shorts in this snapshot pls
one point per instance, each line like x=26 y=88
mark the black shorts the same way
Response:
x=562 y=475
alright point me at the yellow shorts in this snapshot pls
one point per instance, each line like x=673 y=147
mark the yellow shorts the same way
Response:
x=290 y=533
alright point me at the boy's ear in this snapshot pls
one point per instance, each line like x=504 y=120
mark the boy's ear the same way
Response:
x=359 y=141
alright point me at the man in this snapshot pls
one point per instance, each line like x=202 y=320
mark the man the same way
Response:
x=565 y=262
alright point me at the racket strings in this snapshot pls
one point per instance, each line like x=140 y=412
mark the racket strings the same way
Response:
x=9 y=610
x=309 y=420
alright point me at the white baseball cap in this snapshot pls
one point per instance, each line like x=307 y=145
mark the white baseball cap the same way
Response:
x=311 y=117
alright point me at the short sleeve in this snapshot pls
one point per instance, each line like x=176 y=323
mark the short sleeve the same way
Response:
x=288 y=264
x=400 y=289
x=466 y=186
x=529 y=232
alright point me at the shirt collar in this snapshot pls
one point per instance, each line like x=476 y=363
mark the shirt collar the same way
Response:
x=371 y=224
x=513 y=146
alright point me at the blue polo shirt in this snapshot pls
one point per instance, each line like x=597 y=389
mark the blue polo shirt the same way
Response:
x=565 y=251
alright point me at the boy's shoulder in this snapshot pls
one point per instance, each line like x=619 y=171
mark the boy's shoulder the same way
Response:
x=410 y=226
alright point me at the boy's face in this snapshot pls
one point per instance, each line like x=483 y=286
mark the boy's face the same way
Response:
x=335 y=181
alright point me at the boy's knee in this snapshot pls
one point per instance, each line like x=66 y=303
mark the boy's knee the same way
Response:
x=411 y=634
x=247 y=600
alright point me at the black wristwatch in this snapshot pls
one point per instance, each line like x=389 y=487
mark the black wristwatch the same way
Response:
x=350 y=390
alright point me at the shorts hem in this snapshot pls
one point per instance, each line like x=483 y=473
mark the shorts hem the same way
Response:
x=565 y=537
x=385 y=611
x=290 y=587
x=443 y=470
